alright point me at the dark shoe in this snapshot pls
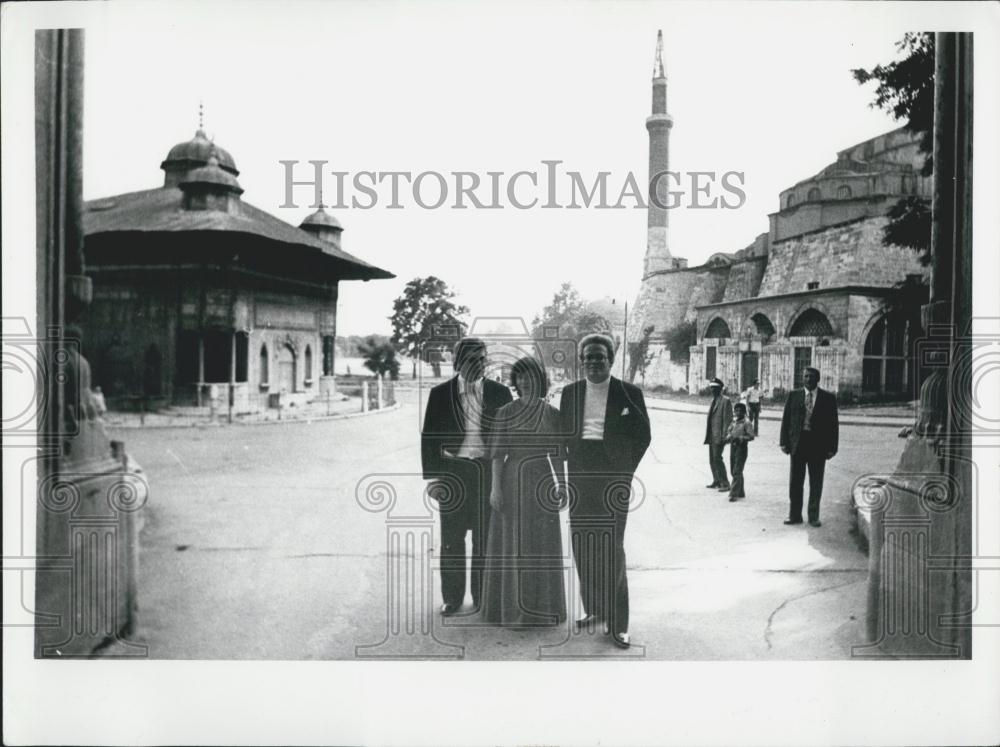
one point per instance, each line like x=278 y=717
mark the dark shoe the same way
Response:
x=447 y=610
x=725 y=488
x=713 y=485
x=815 y=523
x=622 y=640
x=733 y=499
x=793 y=521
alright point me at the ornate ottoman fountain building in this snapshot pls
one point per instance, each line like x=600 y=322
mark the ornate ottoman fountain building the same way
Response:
x=198 y=293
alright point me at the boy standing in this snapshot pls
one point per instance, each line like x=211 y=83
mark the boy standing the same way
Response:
x=740 y=433
x=752 y=397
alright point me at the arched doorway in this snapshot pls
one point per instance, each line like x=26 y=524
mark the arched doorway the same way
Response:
x=286 y=369
x=810 y=323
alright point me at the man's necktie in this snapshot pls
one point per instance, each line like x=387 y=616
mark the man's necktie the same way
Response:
x=809 y=408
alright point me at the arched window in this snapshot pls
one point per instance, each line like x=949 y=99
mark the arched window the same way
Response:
x=264 y=377
x=308 y=360
x=718 y=328
x=888 y=356
x=811 y=323
x=328 y=355
x=814 y=194
x=790 y=201
x=762 y=326
x=843 y=192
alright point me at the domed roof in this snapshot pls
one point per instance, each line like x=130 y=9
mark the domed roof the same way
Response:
x=197 y=150
x=321 y=218
x=212 y=174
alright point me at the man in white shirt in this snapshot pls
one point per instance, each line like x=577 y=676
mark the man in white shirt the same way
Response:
x=752 y=398
x=459 y=417
x=608 y=432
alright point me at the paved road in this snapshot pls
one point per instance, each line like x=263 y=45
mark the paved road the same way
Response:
x=255 y=547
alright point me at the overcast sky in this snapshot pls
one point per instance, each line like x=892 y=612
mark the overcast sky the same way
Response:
x=762 y=90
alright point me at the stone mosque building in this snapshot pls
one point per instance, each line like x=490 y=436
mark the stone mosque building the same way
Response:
x=199 y=296
x=810 y=291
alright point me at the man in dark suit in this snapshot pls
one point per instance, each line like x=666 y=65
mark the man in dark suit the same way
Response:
x=720 y=416
x=809 y=434
x=460 y=415
x=607 y=431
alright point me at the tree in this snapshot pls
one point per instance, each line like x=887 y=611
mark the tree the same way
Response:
x=905 y=89
x=679 y=339
x=574 y=318
x=380 y=356
x=640 y=356
x=426 y=303
x=563 y=311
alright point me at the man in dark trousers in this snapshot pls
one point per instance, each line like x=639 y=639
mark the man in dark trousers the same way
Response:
x=809 y=434
x=460 y=415
x=607 y=431
x=720 y=415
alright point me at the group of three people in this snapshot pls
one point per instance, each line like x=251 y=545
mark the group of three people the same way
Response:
x=809 y=435
x=531 y=460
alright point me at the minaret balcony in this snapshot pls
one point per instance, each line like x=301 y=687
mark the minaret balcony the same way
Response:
x=659 y=120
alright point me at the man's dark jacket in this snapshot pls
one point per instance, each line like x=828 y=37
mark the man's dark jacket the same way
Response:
x=444 y=422
x=825 y=425
x=626 y=423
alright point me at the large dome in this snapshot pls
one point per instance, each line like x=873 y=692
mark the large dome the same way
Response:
x=195 y=153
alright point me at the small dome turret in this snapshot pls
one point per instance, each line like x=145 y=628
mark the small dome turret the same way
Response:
x=209 y=187
x=323 y=226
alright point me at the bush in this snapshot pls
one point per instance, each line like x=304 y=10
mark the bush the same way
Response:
x=679 y=340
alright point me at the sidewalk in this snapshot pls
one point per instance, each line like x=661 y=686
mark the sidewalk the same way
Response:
x=847 y=417
x=186 y=417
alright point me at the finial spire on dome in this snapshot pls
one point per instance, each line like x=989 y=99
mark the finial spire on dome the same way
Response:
x=658 y=63
x=201 y=115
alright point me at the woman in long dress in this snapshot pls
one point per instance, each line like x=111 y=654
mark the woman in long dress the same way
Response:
x=523 y=576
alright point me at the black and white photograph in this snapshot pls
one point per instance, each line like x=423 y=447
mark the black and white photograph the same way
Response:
x=473 y=373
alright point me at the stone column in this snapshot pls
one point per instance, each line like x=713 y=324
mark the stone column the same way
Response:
x=928 y=522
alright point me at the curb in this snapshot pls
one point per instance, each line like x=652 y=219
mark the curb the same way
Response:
x=882 y=422
x=223 y=424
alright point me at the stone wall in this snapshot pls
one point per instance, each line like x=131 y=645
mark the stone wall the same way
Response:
x=851 y=254
x=744 y=279
x=662 y=371
x=669 y=298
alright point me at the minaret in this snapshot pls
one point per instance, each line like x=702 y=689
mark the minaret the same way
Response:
x=658 y=124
